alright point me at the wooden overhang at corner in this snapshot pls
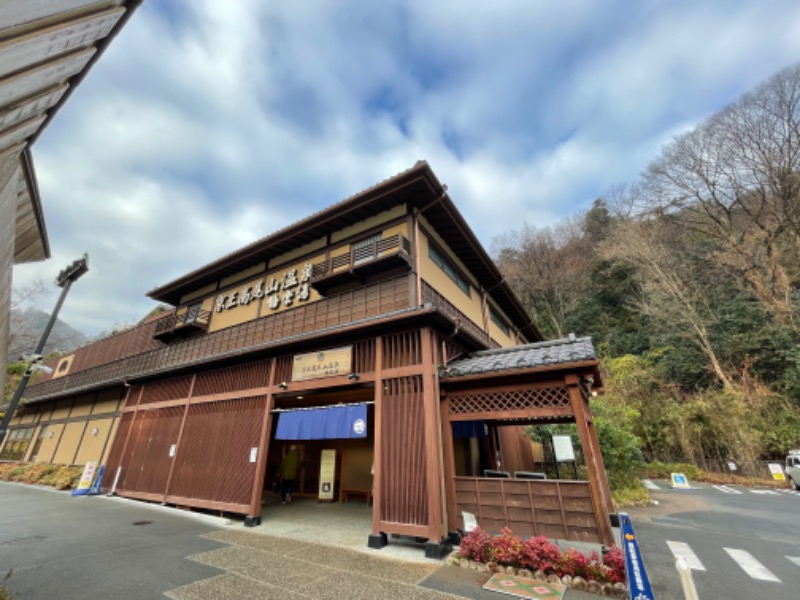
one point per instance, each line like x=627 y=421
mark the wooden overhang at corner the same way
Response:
x=46 y=49
x=420 y=189
x=526 y=362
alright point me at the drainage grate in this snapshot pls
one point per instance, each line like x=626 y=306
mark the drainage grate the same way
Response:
x=143 y=522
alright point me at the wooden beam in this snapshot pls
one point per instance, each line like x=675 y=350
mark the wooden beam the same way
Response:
x=449 y=466
x=524 y=413
x=263 y=447
x=433 y=454
x=377 y=495
x=592 y=465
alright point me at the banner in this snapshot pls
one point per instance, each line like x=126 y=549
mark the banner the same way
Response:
x=327 y=474
x=98 y=481
x=638 y=583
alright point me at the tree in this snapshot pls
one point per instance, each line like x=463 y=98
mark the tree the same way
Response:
x=549 y=269
x=672 y=290
x=736 y=179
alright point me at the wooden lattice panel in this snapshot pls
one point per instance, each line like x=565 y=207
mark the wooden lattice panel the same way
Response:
x=509 y=400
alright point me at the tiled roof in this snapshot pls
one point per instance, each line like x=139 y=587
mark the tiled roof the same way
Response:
x=540 y=354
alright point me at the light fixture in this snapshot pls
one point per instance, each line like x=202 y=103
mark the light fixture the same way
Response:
x=283 y=385
x=300 y=397
x=49 y=434
x=95 y=431
x=354 y=377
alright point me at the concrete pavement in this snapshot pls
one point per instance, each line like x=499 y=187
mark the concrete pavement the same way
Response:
x=64 y=547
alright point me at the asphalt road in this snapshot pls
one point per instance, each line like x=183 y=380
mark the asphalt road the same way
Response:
x=61 y=547
x=744 y=543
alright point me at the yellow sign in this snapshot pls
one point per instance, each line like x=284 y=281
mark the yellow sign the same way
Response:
x=329 y=363
x=327 y=474
x=87 y=477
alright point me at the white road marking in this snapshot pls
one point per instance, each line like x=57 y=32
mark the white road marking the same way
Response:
x=683 y=549
x=773 y=492
x=650 y=485
x=794 y=559
x=726 y=489
x=750 y=565
x=792 y=492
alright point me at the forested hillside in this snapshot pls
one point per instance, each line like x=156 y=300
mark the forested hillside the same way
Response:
x=688 y=280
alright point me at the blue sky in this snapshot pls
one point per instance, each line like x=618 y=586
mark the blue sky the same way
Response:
x=208 y=124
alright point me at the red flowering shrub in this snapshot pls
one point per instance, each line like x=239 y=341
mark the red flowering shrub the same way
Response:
x=615 y=562
x=540 y=554
x=508 y=549
x=572 y=563
x=476 y=545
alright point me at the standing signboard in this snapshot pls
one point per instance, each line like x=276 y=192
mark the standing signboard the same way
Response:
x=85 y=484
x=327 y=471
x=777 y=471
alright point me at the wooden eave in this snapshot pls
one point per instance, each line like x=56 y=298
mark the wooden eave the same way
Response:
x=419 y=188
x=46 y=49
x=508 y=376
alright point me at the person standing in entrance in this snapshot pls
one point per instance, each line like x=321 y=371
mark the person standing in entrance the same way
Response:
x=289 y=466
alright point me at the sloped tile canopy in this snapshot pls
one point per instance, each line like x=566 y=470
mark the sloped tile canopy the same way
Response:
x=46 y=48
x=564 y=351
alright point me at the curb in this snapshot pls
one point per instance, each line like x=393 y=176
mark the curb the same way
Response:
x=210 y=519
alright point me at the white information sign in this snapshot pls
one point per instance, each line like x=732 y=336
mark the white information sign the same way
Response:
x=253 y=454
x=777 y=471
x=562 y=446
x=172 y=449
x=327 y=472
x=470 y=522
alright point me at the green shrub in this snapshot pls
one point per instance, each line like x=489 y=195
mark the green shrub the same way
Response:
x=659 y=470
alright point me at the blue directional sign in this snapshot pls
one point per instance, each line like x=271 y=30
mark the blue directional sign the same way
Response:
x=98 y=481
x=638 y=582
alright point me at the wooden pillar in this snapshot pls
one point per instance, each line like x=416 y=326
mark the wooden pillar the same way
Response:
x=433 y=439
x=449 y=466
x=127 y=434
x=599 y=458
x=254 y=516
x=377 y=495
x=594 y=463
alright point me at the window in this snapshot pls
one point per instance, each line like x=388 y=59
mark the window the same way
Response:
x=365 y=250
x=449 y=269
x=498 y=320
x=16 y=444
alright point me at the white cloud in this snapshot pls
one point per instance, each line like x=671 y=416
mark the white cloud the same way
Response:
x=207 y=124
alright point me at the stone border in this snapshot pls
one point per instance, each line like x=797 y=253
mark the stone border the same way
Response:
x=611 y=590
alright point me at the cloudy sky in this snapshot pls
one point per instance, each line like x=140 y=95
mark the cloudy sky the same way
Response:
x=209 y=124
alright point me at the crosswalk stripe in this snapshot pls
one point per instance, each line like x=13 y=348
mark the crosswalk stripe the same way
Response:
x=750 y=565
x=794 y=559
x=683 y=549
x=650 y=485
x=726 y=489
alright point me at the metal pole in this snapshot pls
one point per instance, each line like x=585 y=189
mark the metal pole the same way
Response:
x=27 y=375
x=64 y=280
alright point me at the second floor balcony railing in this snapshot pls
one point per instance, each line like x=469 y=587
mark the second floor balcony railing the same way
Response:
x=193 y=320
x=364 y=259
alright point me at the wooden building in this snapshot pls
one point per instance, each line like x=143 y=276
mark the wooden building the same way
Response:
x=384 y=304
